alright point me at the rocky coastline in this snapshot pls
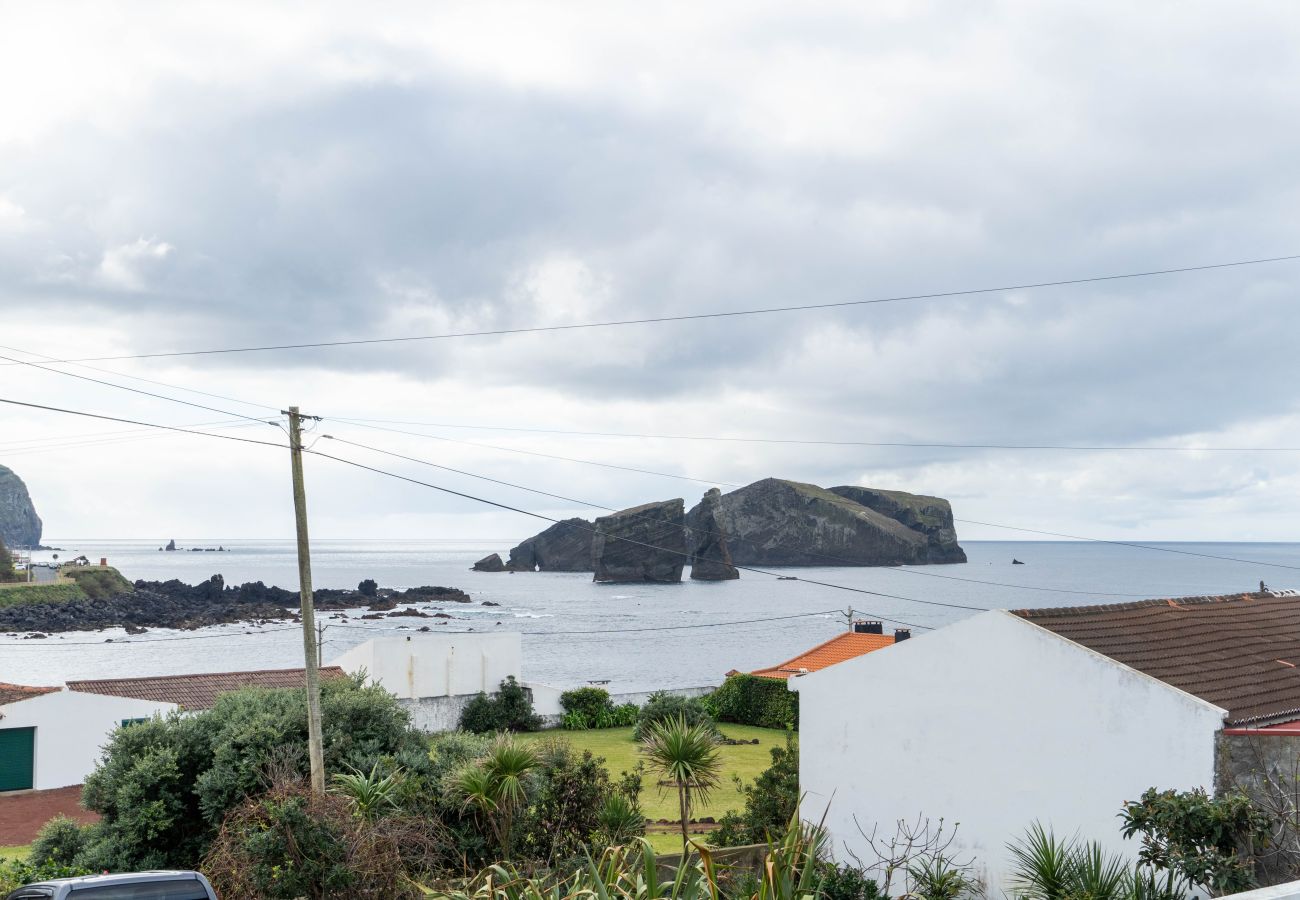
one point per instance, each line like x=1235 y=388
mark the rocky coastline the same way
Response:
x=174 y=604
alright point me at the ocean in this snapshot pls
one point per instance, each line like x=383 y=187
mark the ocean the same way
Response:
x=636 y=637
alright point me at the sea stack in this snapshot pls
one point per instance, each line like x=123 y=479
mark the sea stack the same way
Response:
x=490 y=563
x=564 y=547
x=710 y=557
x=644 y=543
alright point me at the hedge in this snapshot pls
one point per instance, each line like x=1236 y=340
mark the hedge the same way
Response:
x=751 y=700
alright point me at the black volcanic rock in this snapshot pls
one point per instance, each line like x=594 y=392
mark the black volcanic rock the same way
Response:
x=564 y=547
x=489 y=563
x=19 y=524
x=710 y=556
x=787 y=523
x=930 y=516
x=644 y=543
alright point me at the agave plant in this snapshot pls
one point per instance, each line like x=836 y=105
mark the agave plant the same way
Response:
x=371 y=794
x=686 y=756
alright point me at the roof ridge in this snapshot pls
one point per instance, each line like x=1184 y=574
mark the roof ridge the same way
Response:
x=156 y=678
x=1140 y=604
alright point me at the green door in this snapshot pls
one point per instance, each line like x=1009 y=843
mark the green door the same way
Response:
x=17 y=753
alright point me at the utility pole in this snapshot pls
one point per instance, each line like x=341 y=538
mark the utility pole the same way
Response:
x=315 y=742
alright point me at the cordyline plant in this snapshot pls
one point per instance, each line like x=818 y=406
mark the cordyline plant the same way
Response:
x=685 y=756
x=790 y=872
x=494 y=787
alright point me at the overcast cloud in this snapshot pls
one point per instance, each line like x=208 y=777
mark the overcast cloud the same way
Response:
x=185 y=176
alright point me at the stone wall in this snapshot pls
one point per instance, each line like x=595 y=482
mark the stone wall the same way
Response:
x=1265 y=767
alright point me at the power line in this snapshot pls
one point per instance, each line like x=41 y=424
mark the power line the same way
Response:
x=693 y=317
x=123 y=387
x=825 y=556
x=810 y=442
x=1075 y=537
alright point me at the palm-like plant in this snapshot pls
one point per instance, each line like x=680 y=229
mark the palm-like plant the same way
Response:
x=1049 y=868
x=686 y=756
x=370 y=793
x=495 y=786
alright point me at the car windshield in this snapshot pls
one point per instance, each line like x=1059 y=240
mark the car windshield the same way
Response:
x=188 y=889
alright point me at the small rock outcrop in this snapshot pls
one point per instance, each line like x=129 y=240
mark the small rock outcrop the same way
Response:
x=19 y=524
x=490 y=563
x=564 y=547
x=644 y=543
x=171 y=545
x=710 y=556
x=930 y=516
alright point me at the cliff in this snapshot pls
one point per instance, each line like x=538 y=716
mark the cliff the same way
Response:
x=19 y=524
x=644 y=543
x=564 y=547
x=788 y=523
x=710 y=555
x=930 y=516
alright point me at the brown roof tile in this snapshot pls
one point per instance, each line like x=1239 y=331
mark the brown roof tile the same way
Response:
x=1238 y=651
x=195 y=692
x=15 y=693
x=836 y=650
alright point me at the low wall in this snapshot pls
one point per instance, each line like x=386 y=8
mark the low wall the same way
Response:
x=1288 y=891
x=435 y=714
x=747 y=858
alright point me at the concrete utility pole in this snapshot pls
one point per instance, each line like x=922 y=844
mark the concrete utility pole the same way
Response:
x=310 y=649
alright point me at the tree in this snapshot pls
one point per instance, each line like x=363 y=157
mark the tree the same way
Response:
x=510 y=709
x=6 y=563
x=494 y=787
x=685 y=755
x=770 y=802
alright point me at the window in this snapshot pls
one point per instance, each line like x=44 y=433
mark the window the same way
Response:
x=128 y=722
x=187 y=889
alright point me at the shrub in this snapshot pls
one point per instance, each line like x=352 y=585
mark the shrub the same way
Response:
x=751 y=700
x=289 y=843
x=770 y=802
x=60 y=842
x=847 y=883
x=15 y=873
x=164 y=786
x=7 y=572
x=1209 y=842
x=591 y=707
x=570 y=793
x=509 y=709
x=663 y=706
x=1047 y=868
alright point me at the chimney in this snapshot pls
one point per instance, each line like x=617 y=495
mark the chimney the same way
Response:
x=902 y=634
x=103 y=560
x=862 y=626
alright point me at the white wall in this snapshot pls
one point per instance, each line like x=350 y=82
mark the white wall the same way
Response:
x=437 y=665
x=71 y=730
x=993 y=723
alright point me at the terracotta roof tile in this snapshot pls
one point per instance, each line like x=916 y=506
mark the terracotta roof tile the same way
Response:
x=1237 y=651
x=15 y=693
x=196 y=692
x=844 y=646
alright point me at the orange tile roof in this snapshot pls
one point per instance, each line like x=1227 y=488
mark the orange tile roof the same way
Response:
x=844 y=646
x=13 y=693
x=197 y=692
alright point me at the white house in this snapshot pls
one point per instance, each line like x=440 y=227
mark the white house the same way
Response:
x=52 y=737
x=436 y=675
x=1057 y=716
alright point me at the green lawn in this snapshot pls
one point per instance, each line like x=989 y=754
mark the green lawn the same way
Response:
x=15 y=852
x=621 y=754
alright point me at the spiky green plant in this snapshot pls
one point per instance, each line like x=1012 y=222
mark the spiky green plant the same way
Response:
x=495 y=787
x=1050 y=868
x=686 y=756
x=370 y=793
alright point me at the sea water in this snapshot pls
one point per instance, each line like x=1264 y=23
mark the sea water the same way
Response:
x=636 y=637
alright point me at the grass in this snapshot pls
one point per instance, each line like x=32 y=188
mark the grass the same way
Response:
x=98 y=582
x=621 y=754
x=15 y=852
x=56 y=592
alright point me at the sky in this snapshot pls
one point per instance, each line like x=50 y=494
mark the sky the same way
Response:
x=196 y=176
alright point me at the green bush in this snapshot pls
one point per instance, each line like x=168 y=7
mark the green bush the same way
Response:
x=569 y=797
x=60 y=842
x=15 y=873
x=751 y=700
x=1210 y=842
x=663 y=706
x=99 y=582
x=41 y=593
x=591 y=707
x=164 y=785
x=509 y=709
x=7 y=572
x=770 y=802
x=846 y=883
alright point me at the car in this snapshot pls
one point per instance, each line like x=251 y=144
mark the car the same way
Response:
x=168 y=885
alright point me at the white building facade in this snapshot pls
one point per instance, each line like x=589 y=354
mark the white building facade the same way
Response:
x=992 y=724
x=55 y=739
